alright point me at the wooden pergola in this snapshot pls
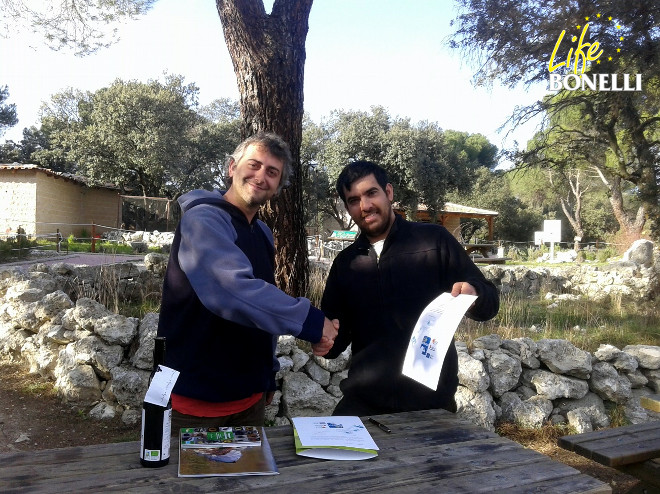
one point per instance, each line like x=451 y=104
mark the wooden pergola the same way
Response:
x=451 y=215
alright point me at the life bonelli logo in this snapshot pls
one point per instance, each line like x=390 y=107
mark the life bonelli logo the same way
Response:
x=583 y=54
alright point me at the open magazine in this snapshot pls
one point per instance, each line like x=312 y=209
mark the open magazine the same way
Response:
x=222 y=459
x=212 y=437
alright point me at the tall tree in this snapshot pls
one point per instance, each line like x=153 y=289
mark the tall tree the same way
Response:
x=137 y=136
x=571 y=185
x=8 y=116
x=268 y=54
x=568 y=145
x=514 y=41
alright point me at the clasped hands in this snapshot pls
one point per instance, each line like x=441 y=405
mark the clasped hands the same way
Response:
x=330 y=330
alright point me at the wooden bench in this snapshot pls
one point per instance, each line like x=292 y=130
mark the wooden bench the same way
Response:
x=632 y=449
x=651 y=402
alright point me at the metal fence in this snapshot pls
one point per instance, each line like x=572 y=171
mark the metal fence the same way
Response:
x=149 y=213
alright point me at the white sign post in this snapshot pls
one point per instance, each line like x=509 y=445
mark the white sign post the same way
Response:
x=552 y=234
x=538 y=238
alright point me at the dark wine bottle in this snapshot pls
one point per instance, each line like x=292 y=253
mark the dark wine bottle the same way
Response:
x=156 y=421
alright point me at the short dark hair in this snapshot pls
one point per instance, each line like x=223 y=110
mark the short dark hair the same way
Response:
x=356 y=170
x=275 y=145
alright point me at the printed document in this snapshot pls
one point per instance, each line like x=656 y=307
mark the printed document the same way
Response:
x=432 y=336
x=333 y=438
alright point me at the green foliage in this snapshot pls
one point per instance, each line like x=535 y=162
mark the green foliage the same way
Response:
x=145 y=138
x=614 y=132
x=424 y=163
x=139 y=308
x=8 y=116
x=516 y=221
x=16 y=246
x=603 y=255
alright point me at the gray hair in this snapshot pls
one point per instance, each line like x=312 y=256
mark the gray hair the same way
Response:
x=275 y=145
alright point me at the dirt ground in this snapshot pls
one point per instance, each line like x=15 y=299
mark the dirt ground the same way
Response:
x=32 y=417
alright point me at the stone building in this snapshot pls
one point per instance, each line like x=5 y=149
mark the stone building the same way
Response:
x=41 y=201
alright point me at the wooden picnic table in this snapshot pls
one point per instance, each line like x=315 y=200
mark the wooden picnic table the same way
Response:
x=483 y=249
x=427 y=451
x=633 y=449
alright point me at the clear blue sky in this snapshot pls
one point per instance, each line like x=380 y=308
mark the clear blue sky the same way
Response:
x=359 y=53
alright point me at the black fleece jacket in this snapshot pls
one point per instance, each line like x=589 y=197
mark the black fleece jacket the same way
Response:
x=378 y=303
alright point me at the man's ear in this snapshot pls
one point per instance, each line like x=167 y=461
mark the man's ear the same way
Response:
x=231 y=167
x=389 y=192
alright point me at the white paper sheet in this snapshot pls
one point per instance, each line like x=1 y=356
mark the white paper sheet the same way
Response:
x=432 y=336
x=161 y=386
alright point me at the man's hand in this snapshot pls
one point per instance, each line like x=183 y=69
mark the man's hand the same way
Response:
x=462 y=287
x=330 y=329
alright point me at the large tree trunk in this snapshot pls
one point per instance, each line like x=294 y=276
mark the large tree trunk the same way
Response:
x=268 y=53
x=631 y=227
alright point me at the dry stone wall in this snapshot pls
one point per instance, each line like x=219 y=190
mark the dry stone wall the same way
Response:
x=101 y=360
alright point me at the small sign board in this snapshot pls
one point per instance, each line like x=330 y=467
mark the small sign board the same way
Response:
x=552 y=230
x=346 y=235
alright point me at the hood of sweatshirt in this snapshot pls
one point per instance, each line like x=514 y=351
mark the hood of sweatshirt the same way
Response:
x=200 y=196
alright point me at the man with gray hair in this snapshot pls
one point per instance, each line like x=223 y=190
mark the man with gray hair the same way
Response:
x=221 y=313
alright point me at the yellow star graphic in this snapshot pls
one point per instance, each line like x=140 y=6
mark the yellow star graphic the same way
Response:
x=621 y=38
x=618 y=50
x=598 y=15
x=618 y=27
x=609 y=58
x=598 y=62
x=586 y=18
x=609 y=18
x=578 y=27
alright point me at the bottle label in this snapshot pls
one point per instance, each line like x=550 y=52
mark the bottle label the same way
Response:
x=158 y=454
x=167 y=432
x=152 y=455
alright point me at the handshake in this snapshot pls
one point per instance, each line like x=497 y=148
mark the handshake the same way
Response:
x=330 y=329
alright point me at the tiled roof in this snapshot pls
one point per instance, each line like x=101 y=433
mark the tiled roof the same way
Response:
x=451 y=207
x=66 y=176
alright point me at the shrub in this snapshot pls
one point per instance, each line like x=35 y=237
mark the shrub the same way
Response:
x=604 y=254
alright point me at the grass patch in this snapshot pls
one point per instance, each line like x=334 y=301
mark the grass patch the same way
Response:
x=542 y=439
x=85 y=246
x=141 y=308
x=584 y=322
x=38 y=388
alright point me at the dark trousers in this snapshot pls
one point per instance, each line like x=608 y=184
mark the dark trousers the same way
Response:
x=254 y=415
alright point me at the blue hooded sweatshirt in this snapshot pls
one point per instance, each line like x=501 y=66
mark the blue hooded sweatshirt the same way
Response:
x=221 y=312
